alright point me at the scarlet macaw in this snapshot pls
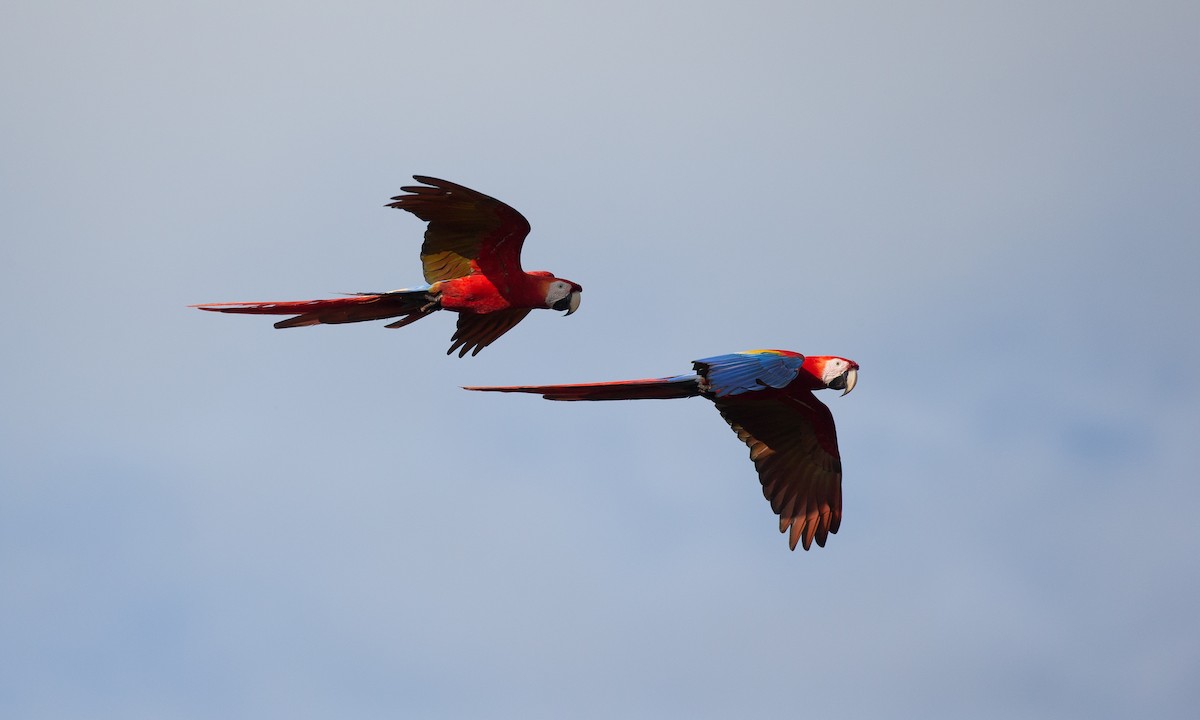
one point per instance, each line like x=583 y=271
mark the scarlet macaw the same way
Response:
x=472 y=261
x=766 y=397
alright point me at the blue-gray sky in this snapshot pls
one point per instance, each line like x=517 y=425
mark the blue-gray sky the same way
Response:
x=992 y=206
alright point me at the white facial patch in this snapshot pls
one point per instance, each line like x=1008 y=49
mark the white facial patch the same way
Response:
x=833 y=369
x=558 y=291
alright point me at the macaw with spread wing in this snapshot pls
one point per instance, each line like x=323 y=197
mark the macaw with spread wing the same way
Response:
x=766 y=397
x=472 y=261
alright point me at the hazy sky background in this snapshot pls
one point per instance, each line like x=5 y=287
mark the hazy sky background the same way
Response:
x=994 y=207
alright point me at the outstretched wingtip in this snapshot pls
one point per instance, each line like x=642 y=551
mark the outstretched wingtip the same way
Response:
x=432 y=182
x=430 y=187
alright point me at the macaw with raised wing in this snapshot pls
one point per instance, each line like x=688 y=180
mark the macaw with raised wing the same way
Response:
x=766 y=397
x=472 y=261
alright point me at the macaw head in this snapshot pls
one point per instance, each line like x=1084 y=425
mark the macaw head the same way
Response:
x=561 y=294
x=835 y=373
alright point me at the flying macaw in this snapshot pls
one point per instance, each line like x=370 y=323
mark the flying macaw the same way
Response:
x=766 y=397
x=472 y=261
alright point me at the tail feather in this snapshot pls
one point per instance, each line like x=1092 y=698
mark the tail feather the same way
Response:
x=410 y=305
x=680 y=386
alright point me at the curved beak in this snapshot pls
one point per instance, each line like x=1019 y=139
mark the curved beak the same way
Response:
x=572 y=302
x=851 y=377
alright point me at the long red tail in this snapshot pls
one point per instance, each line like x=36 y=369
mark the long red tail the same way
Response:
x=410 y=306
x=680 y=386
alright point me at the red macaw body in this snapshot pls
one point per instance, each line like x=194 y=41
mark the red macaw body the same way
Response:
x=472 y=262
x=766 y=396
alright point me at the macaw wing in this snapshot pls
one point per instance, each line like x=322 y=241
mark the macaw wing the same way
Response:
x=741 y=372
x=468 y=231
x=793 y=444
x=476 y=331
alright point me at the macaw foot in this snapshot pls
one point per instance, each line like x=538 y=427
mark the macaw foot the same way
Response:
x=434 y=299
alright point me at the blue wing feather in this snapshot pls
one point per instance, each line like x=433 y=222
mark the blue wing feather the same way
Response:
x=737 y=373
